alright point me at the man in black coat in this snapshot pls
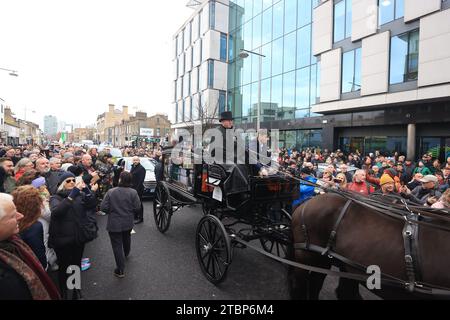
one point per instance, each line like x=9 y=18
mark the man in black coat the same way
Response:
x=138 y=172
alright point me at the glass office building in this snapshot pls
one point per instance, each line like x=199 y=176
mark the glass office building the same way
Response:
x=281 y=31
x=331 y=73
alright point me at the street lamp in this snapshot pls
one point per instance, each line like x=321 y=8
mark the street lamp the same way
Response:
x=11 y=72
x=243 y=55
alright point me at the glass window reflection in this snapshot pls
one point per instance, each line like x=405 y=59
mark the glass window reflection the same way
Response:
x=289 y=52
x=339 y=21
x=399 y=53
x=303 y=87
x=277 y=57
x=290 y=17
x=278 y=15
x=288 y=94
x=256 y=32
x=304 y=46
x=267 y=26
x=304 y=13
x=277 y=91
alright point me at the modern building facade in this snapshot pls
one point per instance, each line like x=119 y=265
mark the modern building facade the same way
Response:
x=385 y=74
x=50 y=125
x=200 y=64
x=351 y=74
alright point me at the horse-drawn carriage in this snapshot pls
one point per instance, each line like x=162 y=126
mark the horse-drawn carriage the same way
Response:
x=238 y=205
x=408 y=244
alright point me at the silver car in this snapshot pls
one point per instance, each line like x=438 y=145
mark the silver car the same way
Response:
x=150 y=178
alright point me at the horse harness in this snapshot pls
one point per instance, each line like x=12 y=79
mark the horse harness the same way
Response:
x=410 y=235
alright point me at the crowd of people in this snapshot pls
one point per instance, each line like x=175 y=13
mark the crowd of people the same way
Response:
x=423 y=181
x=49 y=199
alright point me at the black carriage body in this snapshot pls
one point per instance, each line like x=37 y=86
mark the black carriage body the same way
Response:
x=236 y=202
x=240 y=188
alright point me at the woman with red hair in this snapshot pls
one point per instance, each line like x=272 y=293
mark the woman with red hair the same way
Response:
x=28 y=201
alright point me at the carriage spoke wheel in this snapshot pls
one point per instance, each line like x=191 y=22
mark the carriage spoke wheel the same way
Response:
x=278 y=239
x=275 y=246
x=213 y=248
x=162 y=207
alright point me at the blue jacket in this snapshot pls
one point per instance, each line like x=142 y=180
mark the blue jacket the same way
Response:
x=34 y=238
x=306 y=192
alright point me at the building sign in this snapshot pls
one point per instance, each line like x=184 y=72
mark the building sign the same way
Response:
x=147 y=132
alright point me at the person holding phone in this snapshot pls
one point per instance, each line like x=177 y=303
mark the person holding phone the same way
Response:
x=72 y=203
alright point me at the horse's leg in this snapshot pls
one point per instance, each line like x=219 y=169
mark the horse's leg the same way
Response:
x=347 y=289
x=315 y=284
x=305 y=285
x=298 y=283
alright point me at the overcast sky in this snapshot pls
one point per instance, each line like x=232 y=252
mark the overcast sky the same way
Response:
x=76 y=57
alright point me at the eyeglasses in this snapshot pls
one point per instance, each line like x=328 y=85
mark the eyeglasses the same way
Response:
x=70 y=180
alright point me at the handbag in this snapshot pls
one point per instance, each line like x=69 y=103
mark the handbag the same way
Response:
x=87 y=228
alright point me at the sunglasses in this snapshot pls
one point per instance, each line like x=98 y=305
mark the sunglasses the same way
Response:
x=70 y=180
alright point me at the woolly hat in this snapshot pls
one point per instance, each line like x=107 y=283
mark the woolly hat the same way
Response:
x=39 y=182
x=75 y=170
x=68 y=155
x=62 y=177
x=385 y=178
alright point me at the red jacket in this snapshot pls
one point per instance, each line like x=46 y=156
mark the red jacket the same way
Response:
x=362 y=188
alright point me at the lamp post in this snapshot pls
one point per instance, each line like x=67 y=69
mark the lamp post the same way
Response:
x=12 y=73
x=245 y=54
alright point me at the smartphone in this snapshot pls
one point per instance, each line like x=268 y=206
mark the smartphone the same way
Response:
x=78 y=180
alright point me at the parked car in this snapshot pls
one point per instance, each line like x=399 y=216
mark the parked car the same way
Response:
x=150 y=178
x=116 y=153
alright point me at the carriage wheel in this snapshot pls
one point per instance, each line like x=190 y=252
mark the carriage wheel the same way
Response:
x=162 y=207
x=213 y=248
x=278 y=241
x=274 y=246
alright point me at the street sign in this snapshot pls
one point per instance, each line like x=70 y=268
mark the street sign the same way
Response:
x=146 y=132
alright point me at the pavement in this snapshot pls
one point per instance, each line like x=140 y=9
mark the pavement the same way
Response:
x=165 y=267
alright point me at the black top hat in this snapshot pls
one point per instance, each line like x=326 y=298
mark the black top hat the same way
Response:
x=227 y=115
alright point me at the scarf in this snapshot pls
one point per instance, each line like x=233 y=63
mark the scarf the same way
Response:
x=16 y=254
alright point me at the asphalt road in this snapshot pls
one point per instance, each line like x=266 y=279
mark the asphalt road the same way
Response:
x=165 y=267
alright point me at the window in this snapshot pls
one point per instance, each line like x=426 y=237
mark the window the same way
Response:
x=222 y=100
x=210 y=73
x=182 y=40
x=390 y=10
x=189 y=84
x=404 y=57
x=342 y=20
x=175 y=90
x=351 y=71
x=158 y=132
x=157 y=120
x=304 y=13
x=223 y=47
x=278 y=16
x=199 y=23
x=198 y=80
x=212 y=15
x=230 y=48
x=176 y=46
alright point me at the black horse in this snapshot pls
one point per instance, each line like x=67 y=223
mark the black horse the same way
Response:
x=367 y=237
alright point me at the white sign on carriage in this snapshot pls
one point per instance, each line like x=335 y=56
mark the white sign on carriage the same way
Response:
x=146 y=132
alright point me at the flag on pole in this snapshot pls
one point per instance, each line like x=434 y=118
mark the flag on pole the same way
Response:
x=63 y=138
